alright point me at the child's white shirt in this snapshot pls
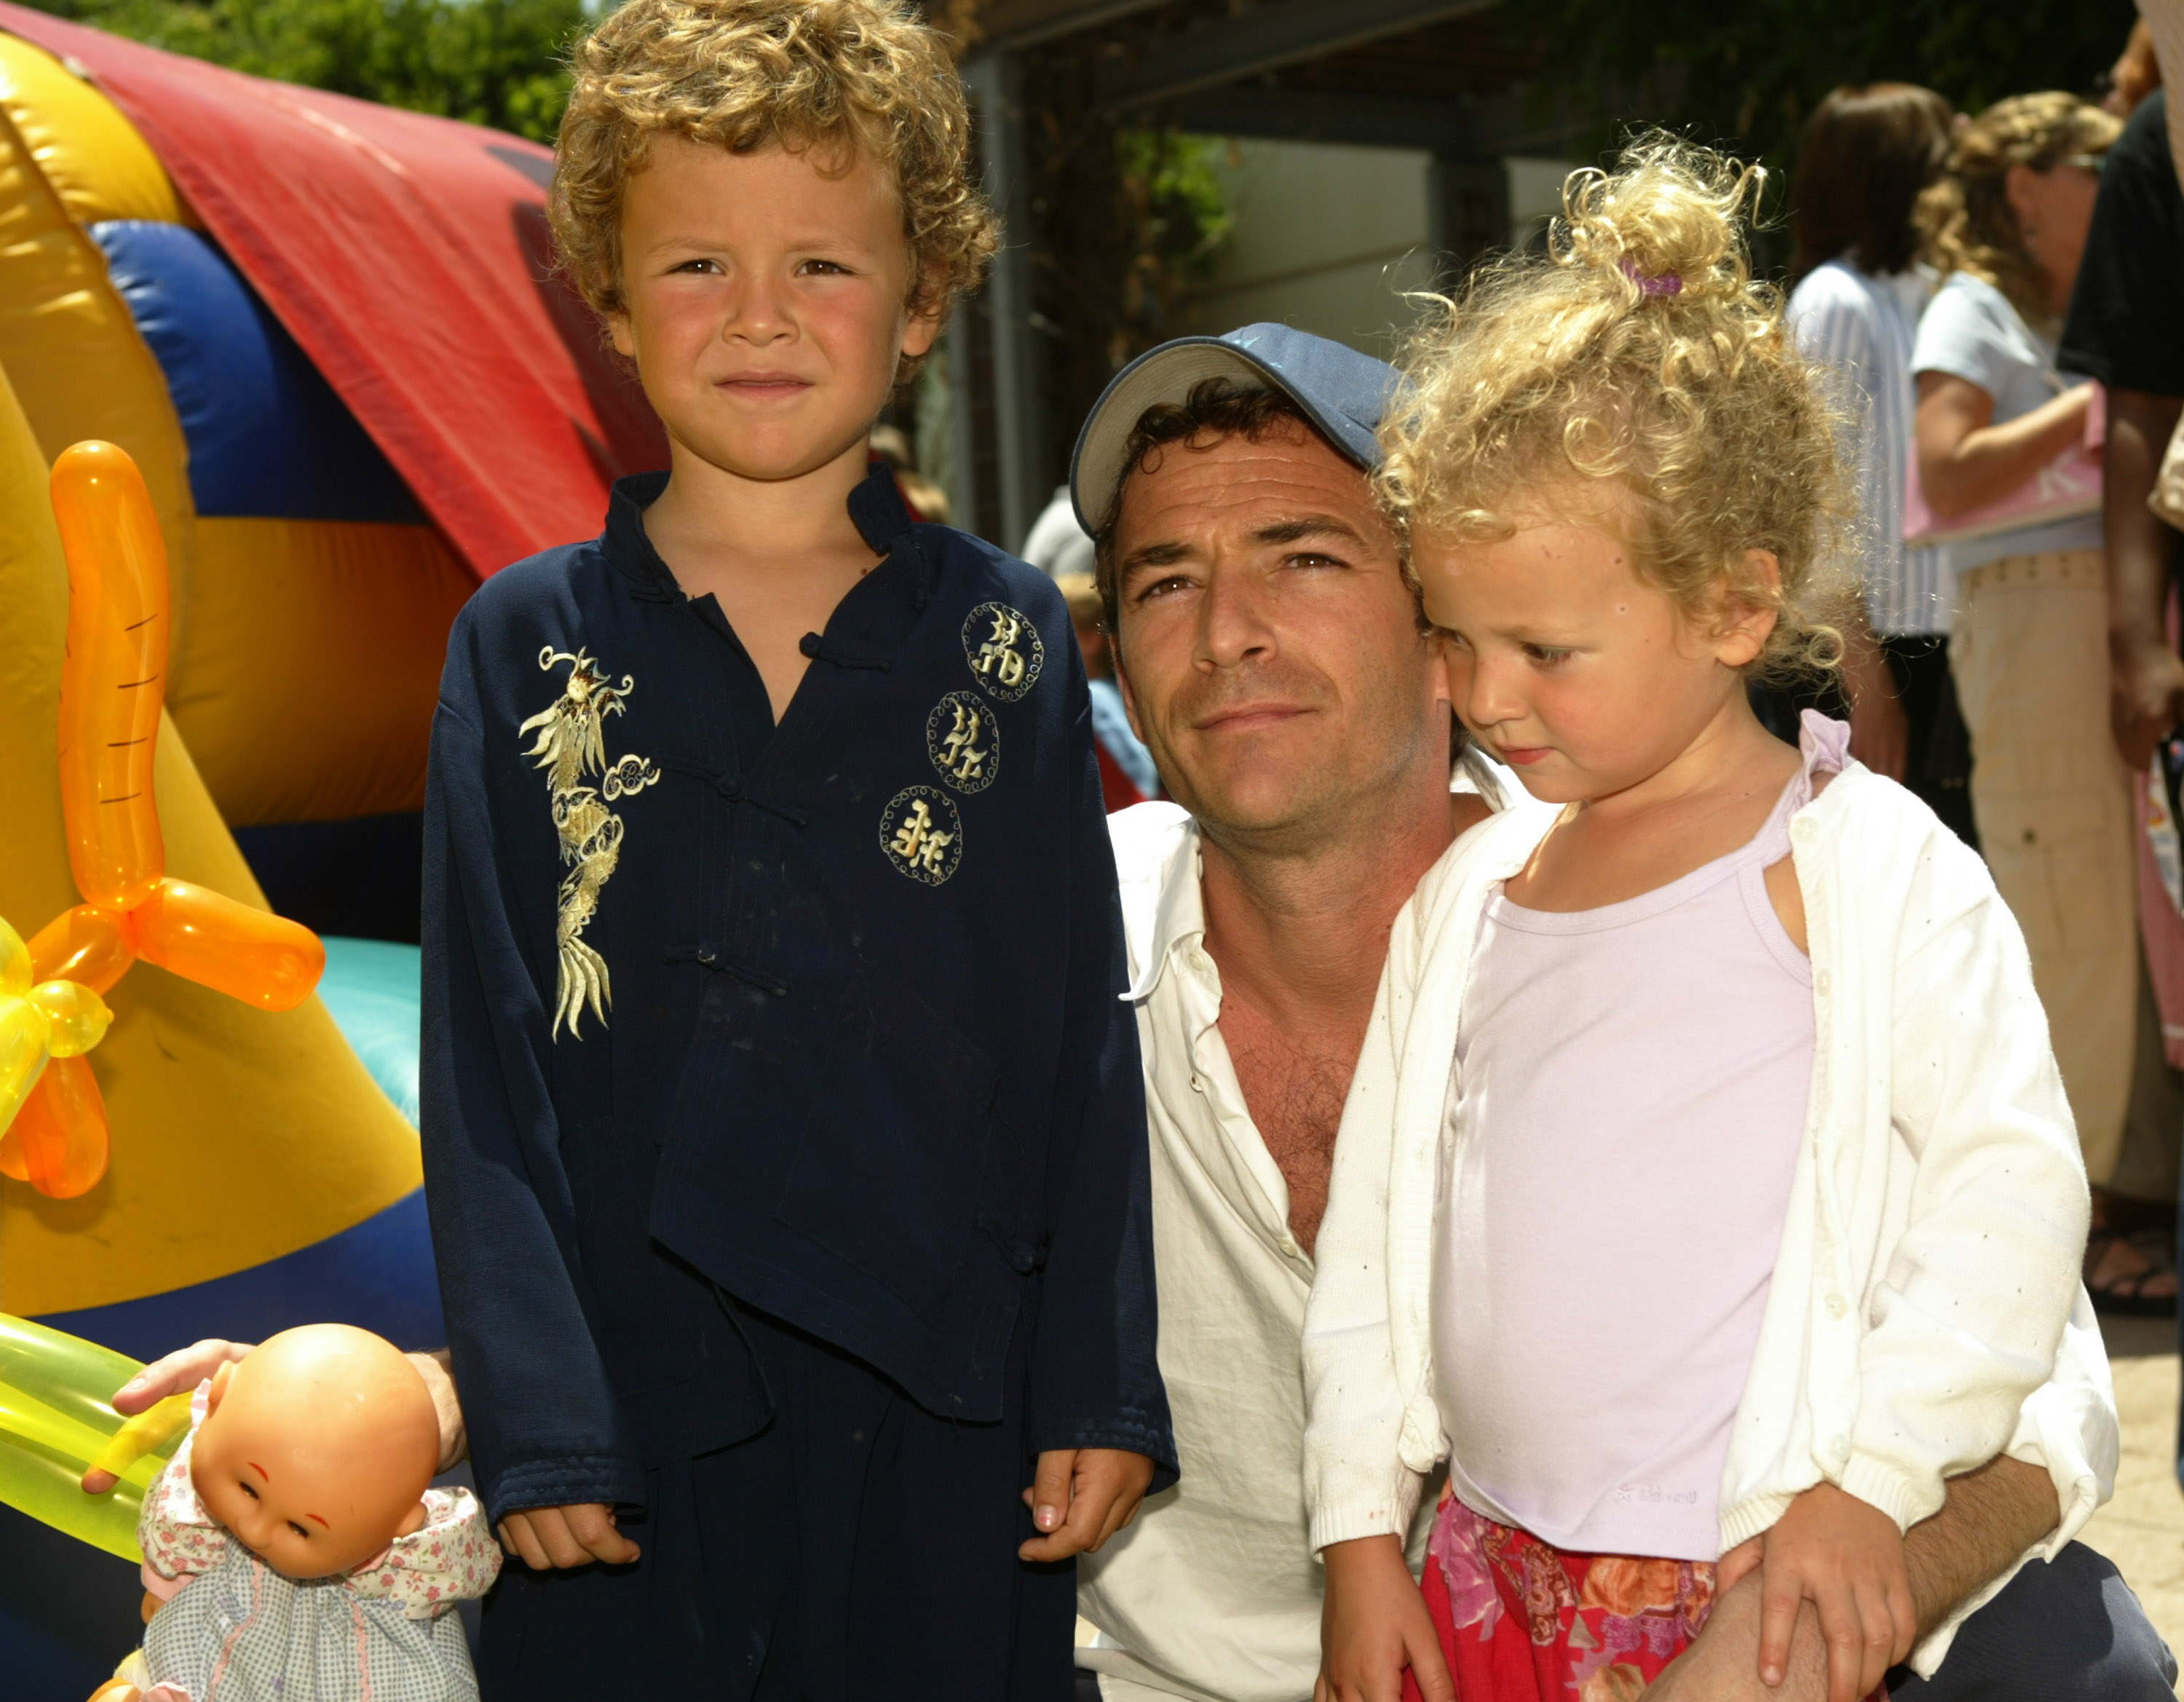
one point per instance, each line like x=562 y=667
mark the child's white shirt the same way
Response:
x=1925 y=1313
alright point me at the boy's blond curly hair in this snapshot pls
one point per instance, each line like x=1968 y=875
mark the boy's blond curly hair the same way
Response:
x=1965 y=213
x=1639 y=353
x=744 y=75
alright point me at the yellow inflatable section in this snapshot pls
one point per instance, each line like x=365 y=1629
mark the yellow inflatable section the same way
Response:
x=306 y=651
x=239 y=1135
x=68 y=342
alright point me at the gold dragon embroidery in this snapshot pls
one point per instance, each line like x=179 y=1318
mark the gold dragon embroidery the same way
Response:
x=571 y=747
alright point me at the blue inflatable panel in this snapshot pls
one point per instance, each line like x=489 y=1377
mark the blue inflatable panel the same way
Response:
x=371 y=990
x=378 y=1275
x=267 y=436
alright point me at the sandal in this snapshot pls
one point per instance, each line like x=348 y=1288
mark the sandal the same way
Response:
x=2120 y=1270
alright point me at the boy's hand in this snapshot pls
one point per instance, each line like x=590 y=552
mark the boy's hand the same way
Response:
x=1374 y=1625
x=547 y=1538
x=1081 y=1496
x=1846 y=1558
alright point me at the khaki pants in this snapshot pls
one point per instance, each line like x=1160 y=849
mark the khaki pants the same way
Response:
x=2052 y=799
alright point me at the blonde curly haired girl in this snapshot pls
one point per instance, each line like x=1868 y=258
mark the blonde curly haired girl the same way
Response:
x=1639 y=370
x=1708 y=1197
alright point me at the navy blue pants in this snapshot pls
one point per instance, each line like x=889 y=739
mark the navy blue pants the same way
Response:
x=2068 y=1632
x=856 y=1548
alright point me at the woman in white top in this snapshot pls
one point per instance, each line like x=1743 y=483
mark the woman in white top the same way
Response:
x=2007 y=225
x=1865 y=155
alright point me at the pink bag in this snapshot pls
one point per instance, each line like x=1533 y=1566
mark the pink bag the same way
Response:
x=2067 y=486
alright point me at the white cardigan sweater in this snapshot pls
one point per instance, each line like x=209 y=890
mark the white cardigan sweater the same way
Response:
x=1926 y=1312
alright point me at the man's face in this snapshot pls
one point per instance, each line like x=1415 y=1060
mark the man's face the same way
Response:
x=1269 y=648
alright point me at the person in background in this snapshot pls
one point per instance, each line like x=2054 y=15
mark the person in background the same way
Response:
x=2124 y=328
x=1127 y=773
x=891 y=444
x=2136 y=73
x=1057 y=543
x=2007 y=225
x=1866 y=155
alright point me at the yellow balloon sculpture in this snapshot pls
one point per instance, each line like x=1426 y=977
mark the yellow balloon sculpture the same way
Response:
x=55 y=1425
x=52 y=1122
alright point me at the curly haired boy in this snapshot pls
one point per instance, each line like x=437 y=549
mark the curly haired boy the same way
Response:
x=783 y=1133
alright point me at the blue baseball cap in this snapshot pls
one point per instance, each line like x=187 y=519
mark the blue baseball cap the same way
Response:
x=1341 y=392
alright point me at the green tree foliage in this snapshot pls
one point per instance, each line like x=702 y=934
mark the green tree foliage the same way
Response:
x=1747 y=75
x=492 y=62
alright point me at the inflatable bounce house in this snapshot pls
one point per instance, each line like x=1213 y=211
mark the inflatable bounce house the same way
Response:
x=328 y=334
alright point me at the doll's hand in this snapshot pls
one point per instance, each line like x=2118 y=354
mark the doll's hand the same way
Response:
x=1081 y=1496
x=1846 y=1557
x=546 y=1538
x=1374 y=1625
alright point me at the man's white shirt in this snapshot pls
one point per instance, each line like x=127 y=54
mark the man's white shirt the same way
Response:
x=1214 y=1593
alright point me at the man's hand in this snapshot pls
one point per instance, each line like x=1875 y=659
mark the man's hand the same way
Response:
x=183 y=1370
x=1373 y=1626
x=547 y=1538
x=1846 y=1557
x=1082 y=1496
x=2148 y=700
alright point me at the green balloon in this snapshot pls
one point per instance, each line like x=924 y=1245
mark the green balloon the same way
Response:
x=55 y=1424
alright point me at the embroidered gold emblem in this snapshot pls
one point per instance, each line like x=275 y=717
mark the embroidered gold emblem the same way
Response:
x=921 y=834
x=571 y=747
x=964 y=740
x=1004 y=650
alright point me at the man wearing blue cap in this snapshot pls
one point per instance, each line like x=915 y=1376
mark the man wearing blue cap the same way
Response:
x=1274 y=662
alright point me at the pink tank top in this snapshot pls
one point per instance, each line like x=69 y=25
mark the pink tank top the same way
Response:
x=1630 y=1097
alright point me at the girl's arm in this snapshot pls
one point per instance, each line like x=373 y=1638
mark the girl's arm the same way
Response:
x=1963 y=462
x=1965 y=1323
x=1358 y=1491
x=1355 y=1482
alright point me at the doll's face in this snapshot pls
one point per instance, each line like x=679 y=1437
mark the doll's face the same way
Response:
x=316 y=1450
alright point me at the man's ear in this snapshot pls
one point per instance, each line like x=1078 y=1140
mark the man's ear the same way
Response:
x=219 y=1390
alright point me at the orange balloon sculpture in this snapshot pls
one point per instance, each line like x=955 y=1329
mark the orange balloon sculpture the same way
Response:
x=114 y=679
x=113 y=685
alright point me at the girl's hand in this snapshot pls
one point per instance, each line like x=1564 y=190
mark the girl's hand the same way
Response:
x=545 y=1538
x=1846 y=1557
x=1081 y=1496
x=1374 y=1625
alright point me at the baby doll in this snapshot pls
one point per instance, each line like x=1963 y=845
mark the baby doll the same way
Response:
x=295 y=1552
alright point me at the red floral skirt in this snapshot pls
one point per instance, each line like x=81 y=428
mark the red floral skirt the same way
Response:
x=1521 y=1621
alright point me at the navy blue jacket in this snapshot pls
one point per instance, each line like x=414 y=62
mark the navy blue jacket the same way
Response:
x=835 y=1028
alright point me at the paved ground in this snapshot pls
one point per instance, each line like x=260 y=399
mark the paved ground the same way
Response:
x=2143 y=1529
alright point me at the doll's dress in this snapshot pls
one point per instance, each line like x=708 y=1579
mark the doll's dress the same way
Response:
x=231 y=1629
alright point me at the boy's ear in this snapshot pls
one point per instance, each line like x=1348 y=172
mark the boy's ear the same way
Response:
x=618 y=331
x=922 y=329
x=219 y=1390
